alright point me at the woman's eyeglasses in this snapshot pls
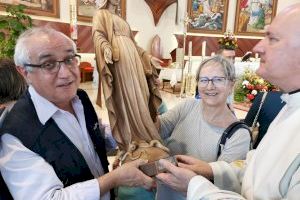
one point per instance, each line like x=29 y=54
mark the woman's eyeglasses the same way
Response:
x=217 y=81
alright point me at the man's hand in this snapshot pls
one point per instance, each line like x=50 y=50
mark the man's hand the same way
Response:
x=177 y=178
x=108 y=55
x=126 y=175
x=198 y=166
x=130 y=175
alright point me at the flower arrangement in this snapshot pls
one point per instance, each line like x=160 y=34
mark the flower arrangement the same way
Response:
x=228 y=41
x=249 y=84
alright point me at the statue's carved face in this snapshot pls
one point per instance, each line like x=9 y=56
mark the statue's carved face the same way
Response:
x=89 y=2
x=114 y=2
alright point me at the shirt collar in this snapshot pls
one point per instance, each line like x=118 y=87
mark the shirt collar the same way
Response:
x=44 y=108
x=291 y=99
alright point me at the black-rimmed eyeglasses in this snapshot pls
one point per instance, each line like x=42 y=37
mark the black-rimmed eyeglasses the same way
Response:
x=216 y=81
x=52 y=67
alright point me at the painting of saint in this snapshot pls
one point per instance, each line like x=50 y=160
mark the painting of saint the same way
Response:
x=87 y=8
x=253 y=15
x=35 y=7
x=207 y=15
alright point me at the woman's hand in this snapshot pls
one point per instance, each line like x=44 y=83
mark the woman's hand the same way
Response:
x=198 y=166
x=108 y=55
x=177 y=178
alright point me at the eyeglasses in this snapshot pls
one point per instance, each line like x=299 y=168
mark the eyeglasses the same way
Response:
x=53 y=67
x=217 y=81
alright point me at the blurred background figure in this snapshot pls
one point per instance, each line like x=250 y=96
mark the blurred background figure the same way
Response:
x=12 y=86
x=227 y=46
x=269 y=110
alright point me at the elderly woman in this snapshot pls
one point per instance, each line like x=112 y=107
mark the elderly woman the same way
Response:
x=195 y=126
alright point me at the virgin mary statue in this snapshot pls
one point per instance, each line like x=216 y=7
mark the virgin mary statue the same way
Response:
x=128 y=78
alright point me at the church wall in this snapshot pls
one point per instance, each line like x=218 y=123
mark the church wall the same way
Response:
x=140 y=18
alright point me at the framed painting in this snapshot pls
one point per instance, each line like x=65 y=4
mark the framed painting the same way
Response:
x=85 y=12
x=48 y=8
x=207 y=16
x=253 y=15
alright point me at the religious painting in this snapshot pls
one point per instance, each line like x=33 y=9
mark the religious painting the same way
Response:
x=207 y=16
x=85 y=12
x=253 y=15
x=49 y=8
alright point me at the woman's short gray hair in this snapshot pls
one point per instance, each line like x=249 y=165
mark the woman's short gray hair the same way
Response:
x=227 y=66
x=21 y=55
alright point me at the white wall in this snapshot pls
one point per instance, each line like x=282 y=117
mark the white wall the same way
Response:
x=140 y=18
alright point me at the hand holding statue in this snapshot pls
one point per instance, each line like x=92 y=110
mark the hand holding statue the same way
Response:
x=177 y=178
x=129 y=175
x=198 y=166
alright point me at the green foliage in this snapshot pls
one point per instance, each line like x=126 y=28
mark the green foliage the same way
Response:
x=11 y=26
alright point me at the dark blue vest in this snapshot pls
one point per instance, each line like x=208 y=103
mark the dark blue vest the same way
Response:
x=51 y=143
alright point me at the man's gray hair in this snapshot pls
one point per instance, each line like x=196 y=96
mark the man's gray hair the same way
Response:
x=21 y=55
x=227 y=66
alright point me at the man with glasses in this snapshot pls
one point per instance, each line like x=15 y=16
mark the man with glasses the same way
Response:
x=51 y=143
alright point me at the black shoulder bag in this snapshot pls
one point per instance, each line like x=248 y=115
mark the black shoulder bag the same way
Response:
x=229 y=131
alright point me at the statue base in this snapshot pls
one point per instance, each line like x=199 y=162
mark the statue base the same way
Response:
x=152 y=151
x=153 y=168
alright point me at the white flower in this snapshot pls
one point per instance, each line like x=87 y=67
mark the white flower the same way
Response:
x=254 y=92
x=245 y=82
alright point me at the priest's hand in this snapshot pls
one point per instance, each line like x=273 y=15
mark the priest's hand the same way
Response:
x=198 y=166
x=176 y=177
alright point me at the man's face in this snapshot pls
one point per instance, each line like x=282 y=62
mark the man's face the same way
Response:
x=59 y=88
x=229 y=54
x=279 y=52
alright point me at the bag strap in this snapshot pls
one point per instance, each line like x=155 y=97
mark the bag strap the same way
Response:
x=229 y=131
x=258 y=111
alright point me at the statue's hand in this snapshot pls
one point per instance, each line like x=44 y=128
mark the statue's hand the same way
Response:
x=155 y=61
x=108 y=56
